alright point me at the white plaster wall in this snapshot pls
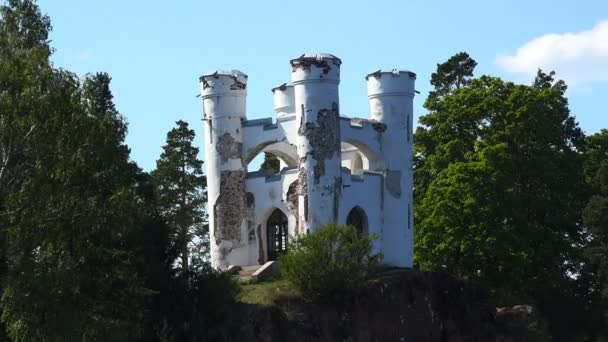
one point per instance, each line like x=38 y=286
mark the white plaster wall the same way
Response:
x=316 y=80
x=366 y=192
x=259 y=134
x=361 y=134
x=384 y=142
x=269 y=193
x=391 y=94
x=224 y=108
x=354 y=159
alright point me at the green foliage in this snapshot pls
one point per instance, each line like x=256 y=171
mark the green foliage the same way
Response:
x=331 y=264
x=271 y=163
x=595 y=219
x=86 y=251
x=181 y=188
x=267 y=293
x=71 y=270
x=69 y=197
x=455 y=73
x=500 y=190
x=198 y=307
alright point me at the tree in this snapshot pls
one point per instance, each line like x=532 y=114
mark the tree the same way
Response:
x=271 y=163
x=24 y=52
x=69 y=204
x=448 y=135
x=453 y=74
x=72 y=271
x=500 y=188
x=595 y=219
x=181 y=188
x=331 y=264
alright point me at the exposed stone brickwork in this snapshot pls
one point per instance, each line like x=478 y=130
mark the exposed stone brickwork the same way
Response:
x=323 y=137
x=228 y=148
x=329 y=164
x=229 y=209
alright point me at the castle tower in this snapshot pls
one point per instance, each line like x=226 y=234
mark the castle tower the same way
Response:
x=224 y=105
x=391 y=94
x=315 y=79
x=283 y=100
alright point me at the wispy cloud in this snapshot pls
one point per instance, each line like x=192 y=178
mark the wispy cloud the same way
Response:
x=579 y=57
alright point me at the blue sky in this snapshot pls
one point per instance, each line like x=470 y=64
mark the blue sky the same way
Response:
x=156 y=50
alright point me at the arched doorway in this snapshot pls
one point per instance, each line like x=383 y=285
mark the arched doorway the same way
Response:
x=276 y=230
x=358 y=219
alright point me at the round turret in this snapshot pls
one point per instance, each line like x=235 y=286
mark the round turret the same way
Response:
x=390 y=93
x=316 y=78
x=391 y=100
x=319 y=67
x=224 y=96
x=283 y=99
x=224 y=93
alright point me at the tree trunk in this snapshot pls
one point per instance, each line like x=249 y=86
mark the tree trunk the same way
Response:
x=184 y=249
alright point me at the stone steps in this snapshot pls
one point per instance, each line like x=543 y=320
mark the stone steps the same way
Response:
x=247 y=271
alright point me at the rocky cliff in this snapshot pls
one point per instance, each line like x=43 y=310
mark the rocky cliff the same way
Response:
x=398 y=306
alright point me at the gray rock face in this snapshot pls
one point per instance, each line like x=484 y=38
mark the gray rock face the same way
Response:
x=401 y=306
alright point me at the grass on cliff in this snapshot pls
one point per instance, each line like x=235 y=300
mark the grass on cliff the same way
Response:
x=268 y=292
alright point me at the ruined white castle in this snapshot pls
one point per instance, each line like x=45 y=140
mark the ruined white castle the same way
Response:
x=333 y=168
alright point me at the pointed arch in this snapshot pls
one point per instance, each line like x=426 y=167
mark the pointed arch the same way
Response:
x=276 y=234
x=358 y=219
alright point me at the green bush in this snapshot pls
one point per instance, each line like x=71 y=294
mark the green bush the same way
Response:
x=331 y=264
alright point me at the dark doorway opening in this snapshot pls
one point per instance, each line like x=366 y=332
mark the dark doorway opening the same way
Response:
x=276 y=229
x=358 y=219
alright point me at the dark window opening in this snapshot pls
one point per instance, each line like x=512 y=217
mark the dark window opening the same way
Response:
x=358 y=219
x=276 y=229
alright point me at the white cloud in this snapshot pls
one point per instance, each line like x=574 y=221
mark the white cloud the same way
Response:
x=578 y=58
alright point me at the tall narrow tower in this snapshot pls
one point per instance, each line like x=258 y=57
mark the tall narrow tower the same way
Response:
x=224 y=105
x=391 y=94
x=315 y=79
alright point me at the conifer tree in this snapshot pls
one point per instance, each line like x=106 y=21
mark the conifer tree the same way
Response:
x=181 y=188
x=271 y=163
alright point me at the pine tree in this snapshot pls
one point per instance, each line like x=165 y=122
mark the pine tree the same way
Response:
x=271 y=163
x=181 y=188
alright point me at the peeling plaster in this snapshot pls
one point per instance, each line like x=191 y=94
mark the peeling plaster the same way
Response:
x=302 y=181
x=237 y=84
x=229 y=208
x=250 y=202
x=323 y=138
x=261 y=257
x=337 y=190
x=291 y=199
x=241 y=198
x=378 y=126
x=228 y=147
x=210 y=131
x=393 y=183
x=322 y=63
x=302 y=190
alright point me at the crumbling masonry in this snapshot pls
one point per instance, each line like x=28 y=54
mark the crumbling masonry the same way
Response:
x=333 y=168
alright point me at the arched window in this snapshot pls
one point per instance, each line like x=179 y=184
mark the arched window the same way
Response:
x=276 y=230
x=358 y=219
